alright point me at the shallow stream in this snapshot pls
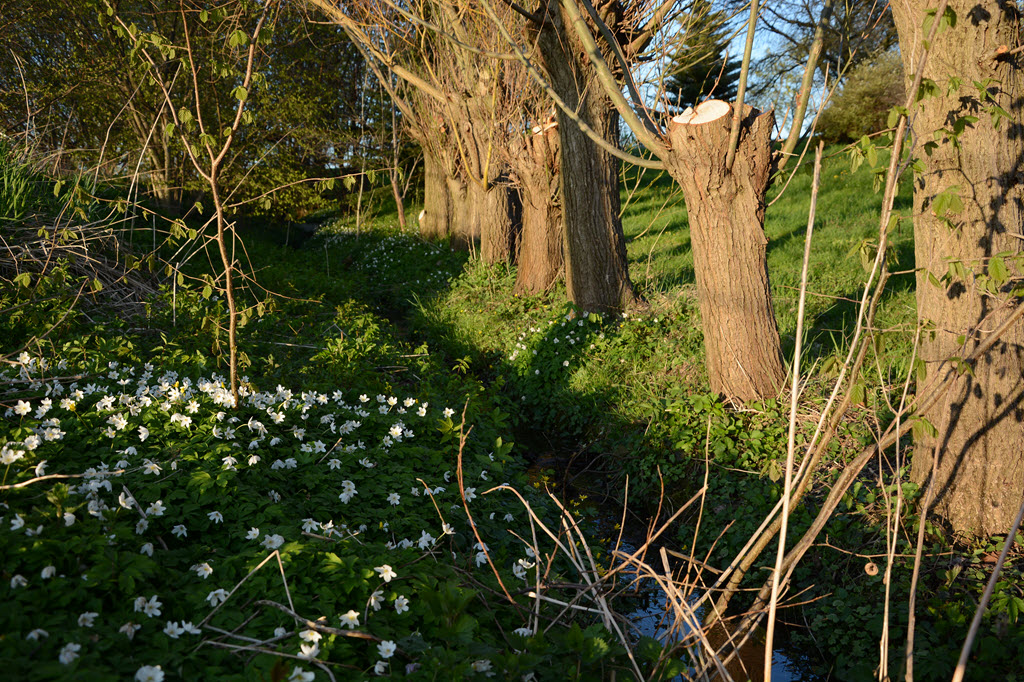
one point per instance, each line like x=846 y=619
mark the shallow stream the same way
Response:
x=650 y=606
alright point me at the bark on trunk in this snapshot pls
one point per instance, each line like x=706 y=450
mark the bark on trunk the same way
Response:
x=498 y=212
x=435 y=221
x=596 y=269
x=980 y=458
x=540 y=248
x=726 y=215
x=462 y=225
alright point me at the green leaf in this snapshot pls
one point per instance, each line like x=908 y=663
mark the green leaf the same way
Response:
x=97 y=285
x=24 y=279
x=204 y=16
x=240 y=93
x=997 y=270
x=207 y=291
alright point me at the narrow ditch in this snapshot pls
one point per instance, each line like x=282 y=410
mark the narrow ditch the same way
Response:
x=649 y=605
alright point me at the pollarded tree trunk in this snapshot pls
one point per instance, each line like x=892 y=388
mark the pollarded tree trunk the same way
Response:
x=726 y=214
x=980 y=439
x=539 y=262
x=436 y=217
x=462 y=223
x=499 y=215
x=596 y=269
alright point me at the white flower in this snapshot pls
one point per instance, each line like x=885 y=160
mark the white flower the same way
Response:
x=308 y=651
x=129 y=629
x=386 y=573
x=69 y=519
x=217 y=597
x=401 y=604
x=22 y=408
x=376 y=599
x=386 y=649
x=141 y=526
x=69 y=653
x=394 y=499
x=300 y=675
x=216 y=517
x=309 y=525
x=149 y=673
x=310 y=636
x=48 y=572
x=272 y=541
x=525 y=632
x=143 y=433
x=173 y=630
x=87 y=619
x=481 y=666
x=426 y=540
x=17 y=523
x=150 y=467
x=37 y=634
x=334 y=463
x=351 y=619
x=448 y=412
x=152 y=607
x=280 y=632
x=446 y=528
x=253 y=533
x=147 y=549
x=180 y=531
x=203 y=570
x=519 y=571
x=190 y=628
x=18 y=580
x=380 y=667
x=470 y=494
x=156 y=509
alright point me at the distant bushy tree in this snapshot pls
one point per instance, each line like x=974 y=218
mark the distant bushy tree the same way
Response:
x=863 y=103
x=701 y=67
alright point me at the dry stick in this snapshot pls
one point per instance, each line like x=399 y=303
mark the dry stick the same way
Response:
x=934 y=391
x=961 y=665
x=793 y=402
x=804 y=96
x=890 y=556
x=463 y=435
x=606 y=611
x=741 y=90
x=317 y=625
x=240 y=582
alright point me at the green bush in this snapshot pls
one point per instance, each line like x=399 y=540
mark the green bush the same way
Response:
x=862 y=104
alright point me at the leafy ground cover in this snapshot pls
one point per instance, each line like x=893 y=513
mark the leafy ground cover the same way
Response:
x=222 y=543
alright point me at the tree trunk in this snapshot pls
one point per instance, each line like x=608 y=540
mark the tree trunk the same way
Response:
x=596 y=269
x=499 y=219
x=726 y=214
x=539 y=259
x=980 y=459
x=462 y=224
x=435 y=221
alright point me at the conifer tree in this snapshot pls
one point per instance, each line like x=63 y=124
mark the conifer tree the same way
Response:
x=701 y=66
